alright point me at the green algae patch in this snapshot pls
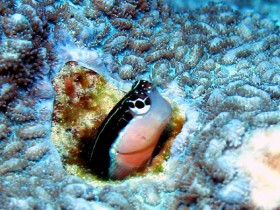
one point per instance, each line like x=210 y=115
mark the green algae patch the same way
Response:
x=83 y=100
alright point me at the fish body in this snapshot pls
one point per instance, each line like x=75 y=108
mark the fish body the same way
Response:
x=128 y=136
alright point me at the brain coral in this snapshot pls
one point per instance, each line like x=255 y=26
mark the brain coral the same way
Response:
x=220 y=65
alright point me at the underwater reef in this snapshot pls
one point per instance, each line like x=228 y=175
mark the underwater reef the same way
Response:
x=220 y=65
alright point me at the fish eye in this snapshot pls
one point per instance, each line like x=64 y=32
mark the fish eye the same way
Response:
x=140 y=106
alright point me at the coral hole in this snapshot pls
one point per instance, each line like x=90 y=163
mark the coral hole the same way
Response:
x=83 y=100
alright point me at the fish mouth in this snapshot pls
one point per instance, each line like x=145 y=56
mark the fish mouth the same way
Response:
x=137 y=151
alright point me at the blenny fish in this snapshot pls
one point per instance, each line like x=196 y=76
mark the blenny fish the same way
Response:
x=128 y=136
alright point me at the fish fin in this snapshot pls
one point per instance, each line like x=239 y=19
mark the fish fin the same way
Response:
x=119 y=170
x=149 y=161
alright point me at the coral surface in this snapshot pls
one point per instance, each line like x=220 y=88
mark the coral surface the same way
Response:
x=218 y=64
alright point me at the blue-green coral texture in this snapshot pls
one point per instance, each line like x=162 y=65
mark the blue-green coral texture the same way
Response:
x=220 y=64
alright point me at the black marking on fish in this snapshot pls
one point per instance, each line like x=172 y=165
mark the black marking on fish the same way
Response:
x=135 y=103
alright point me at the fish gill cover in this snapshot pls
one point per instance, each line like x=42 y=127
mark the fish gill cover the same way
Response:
x=220 y=66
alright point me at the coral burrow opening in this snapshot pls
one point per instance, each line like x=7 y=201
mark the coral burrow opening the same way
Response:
x=83 y=100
